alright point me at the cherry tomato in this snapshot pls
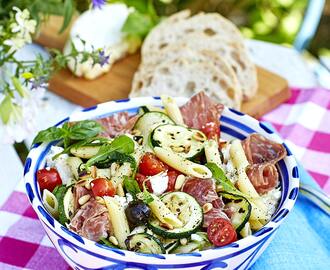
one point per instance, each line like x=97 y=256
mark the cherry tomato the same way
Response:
x=140 y=178
x=103 y=187
x=211 y=130
x=48 y=179
x=221 y=232
x=151 y=165
x=172 y=175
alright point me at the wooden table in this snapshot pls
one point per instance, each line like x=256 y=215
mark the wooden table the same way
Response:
x=284 y=61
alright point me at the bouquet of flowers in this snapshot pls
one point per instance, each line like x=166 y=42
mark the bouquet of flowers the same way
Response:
x=22 y=83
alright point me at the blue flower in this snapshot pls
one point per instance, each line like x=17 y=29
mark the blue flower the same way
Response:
x=103 y=58
x=98 y=3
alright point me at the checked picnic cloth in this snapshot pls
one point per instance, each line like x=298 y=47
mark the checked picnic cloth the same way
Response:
x=303 y=121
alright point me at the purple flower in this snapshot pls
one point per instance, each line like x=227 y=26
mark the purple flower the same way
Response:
x=38 y=83
x=103 y=58
x=98 y=3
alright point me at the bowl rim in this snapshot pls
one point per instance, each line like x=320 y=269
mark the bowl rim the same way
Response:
x=247 y=241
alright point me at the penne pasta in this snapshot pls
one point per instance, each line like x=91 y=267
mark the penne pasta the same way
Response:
x=121 y=172
x=172 y=109
x=255 y=224
x=212 y=152
x=118 y=220
x=163 y=214
x=181 y=164
x=50 y=203
x=237 y=155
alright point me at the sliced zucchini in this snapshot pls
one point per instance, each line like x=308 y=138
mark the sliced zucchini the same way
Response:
x=74 y=164
x=240 y=207
x=148 y=121
x=85 y=152
x=170 y=244
x=68 y=203
x=144 y=243
x=143 y=109
x=200 y=242
x=186 y=209
x=185 y=141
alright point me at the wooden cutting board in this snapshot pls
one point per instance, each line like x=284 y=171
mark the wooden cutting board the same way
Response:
x=116 y=84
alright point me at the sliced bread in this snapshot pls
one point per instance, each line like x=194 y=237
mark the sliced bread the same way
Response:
x=186 y=72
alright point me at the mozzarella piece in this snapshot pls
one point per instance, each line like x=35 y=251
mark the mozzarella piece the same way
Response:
x=159 y=183
x=60 y=164
x=108 y=21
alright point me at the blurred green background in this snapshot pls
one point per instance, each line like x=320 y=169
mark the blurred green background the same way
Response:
x=277 y=21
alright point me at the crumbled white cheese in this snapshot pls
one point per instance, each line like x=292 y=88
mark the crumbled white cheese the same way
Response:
x=159 y=183
x=124 y=201
x=60 y=164
x=196 y=237
x=271 y=199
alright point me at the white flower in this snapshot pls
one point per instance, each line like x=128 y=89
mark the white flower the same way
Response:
x=22 y=29
x=22 y=121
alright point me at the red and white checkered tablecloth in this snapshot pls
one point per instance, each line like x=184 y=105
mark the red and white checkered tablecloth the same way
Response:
x=303 y=121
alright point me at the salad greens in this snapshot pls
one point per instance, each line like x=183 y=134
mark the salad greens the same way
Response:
x=69 y=132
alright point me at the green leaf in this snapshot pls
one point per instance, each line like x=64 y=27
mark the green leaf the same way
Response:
x=146 y=196
x=59 y=193
x=6 y=108
x=68 y=13
x=221 y=178
x=131 y=186
x=114 y=156
x=138 y=24
x=49 y=135
x=83 y=130
x=122 y=144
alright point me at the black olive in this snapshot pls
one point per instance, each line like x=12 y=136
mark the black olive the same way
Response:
x=137 y=213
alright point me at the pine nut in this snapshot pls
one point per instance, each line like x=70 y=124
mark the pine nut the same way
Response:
x=99 y=200
x=84 y=199
x=93 y=171
x=88 y=185
x=113 y=240
x=179 y=181
x=218 y=188
x=199 y=136
x=207 y=207
x=167 y=226
x=113 y=168
x=136 y=132
x=183 y=241
x=177 y=149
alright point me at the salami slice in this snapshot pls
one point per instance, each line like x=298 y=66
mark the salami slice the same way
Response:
x=212 y=214
x=264 y=177
x=203 y=113
x=262 y=155
x=203 y=190
x=117 y=124
x=260 y=150
x=91 y=221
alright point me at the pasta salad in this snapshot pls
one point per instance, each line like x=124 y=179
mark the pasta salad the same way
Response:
x=161 y=181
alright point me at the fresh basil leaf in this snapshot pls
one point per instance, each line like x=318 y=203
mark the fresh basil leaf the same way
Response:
x=59 y=193
x=114 y=156
x=146 y=196
x=49 y=135
x=122 y=144
x=219 y=175
x=138 y=24
x=84 y=129
x=131 y=186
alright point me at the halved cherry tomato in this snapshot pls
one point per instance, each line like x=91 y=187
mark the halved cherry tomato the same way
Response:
x=151 y=165
x=172 y=175
x=221 y=232
x=48 y=179
x=102 y=187
x=140 y=178
x=211 y=130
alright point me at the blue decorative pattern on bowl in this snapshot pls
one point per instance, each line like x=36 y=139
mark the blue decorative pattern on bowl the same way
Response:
x=81 y=253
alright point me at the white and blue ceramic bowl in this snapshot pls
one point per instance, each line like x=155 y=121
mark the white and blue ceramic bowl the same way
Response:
x=82 y=253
